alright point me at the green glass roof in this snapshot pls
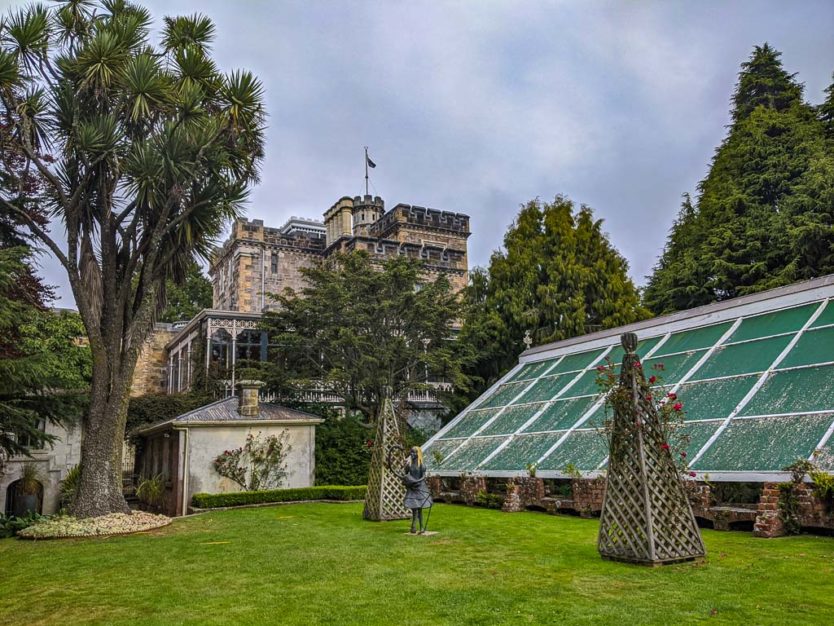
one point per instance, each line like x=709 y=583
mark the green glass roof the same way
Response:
x=756 y=382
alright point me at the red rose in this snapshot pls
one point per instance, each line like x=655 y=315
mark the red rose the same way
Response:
x=692 y=474
x=672 y=396
x=665 y=446
x=652 y=380
x=637 y=364
x=600 y=368
x=678 y=406
x=683 y=454
x=370 y=443
x=648 y=397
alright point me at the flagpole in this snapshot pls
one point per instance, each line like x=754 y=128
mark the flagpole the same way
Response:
x=366 y=170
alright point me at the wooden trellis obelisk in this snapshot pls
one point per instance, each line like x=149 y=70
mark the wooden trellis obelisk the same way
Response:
x=386 y=491
x=646 y=515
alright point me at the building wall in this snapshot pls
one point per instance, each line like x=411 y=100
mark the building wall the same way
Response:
x=243 y=272
x=206 y=443
x=53 y=464
x=152 y=366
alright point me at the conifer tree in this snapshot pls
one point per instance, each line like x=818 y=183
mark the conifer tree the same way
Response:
x=764 y=214
x=558 y=276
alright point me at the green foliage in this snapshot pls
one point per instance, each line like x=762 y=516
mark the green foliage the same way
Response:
x=44 y=366
x=364 y=330
x=153 y=408
x=69 y=486
x=260 y=464
x=489 y=500
x=764 y=215
x=142 y=150
x=185 y=300
x=557 y=276
x=242 y=498
x=10 y=525
x=151 y=489
x=343 y=450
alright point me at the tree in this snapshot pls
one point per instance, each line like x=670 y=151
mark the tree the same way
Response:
x=44 y=367
x=185 y=300
x=764 y=214
x=364 y=331
x=557 y=276
x=153 y=151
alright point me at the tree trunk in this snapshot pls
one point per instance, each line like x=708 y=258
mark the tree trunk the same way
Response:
x=100 y=484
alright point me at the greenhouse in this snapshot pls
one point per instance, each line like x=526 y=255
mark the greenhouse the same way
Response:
x=755 y=376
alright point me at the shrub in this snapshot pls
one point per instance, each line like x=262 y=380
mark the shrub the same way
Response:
x=69 y=486
x=152 y=408
x=343 y=452
x=258 y=465
x=240 y=498
x=11 y=525
x=151 y=490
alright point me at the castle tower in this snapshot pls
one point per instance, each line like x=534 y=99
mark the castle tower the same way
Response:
x=366 y=211
x=338 y=221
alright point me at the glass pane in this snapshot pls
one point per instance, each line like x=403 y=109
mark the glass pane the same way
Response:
x=587 y=384
x=814 y=346
x=743 y=358
x=522 y=450
x=670 y=369
x=714 y=399
x=532 y=370
x=512 y=419
x=436 y=453
x=471 y=454
x=545 y=388
x=616 y=355
x=561 y=414
x=504 y=394
x=584 y=449
x=574 y=362
x=470 y=422
x=695 y=339
x=784 y=321
x=826 y=317
x=795 y=391
x=764 y=444
x=698 y=433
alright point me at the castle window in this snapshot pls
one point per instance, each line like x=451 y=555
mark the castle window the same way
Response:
x=273 y=267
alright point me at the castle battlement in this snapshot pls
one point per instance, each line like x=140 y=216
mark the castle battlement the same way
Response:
x=258 y=260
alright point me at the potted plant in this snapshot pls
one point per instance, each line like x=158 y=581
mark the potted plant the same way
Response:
x=29 y=491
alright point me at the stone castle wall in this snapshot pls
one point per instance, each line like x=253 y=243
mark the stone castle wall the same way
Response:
x=152 y=366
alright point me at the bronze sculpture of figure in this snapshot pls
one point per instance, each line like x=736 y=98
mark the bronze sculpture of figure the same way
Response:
x=417 y=494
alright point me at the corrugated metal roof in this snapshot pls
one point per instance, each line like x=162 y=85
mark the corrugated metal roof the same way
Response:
x=226 y=411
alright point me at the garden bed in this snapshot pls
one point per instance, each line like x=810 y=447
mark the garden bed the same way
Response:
x=64 y=526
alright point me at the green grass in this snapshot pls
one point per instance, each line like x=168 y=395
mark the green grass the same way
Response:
x=322 y=564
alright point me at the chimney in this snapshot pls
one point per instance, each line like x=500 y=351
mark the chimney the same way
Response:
x=248 y=399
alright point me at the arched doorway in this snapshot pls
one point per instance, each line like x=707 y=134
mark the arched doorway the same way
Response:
x=19 y=503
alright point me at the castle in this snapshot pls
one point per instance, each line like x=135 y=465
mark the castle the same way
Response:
x=259 y=260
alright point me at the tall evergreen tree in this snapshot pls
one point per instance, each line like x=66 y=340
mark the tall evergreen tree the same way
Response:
x=558 y=276
x=764 y=215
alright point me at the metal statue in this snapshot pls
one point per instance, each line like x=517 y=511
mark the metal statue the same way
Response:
x=417 y=494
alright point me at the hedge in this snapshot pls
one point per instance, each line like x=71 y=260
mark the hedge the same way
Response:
x=239 y=498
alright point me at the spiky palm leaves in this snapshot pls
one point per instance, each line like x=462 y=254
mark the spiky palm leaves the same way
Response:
x=144 y=151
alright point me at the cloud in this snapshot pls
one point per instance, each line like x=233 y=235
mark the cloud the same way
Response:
x=478 y=107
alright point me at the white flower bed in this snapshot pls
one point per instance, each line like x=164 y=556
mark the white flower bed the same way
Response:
x=113 y=524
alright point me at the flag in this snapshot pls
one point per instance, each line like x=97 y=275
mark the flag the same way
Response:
x=370 y=163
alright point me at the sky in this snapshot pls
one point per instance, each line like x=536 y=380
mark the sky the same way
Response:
x=479 y=106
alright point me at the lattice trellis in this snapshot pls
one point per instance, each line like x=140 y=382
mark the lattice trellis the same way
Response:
x=646 y=515
x=386 y=491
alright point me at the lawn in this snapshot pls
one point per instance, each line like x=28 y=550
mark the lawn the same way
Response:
x=322 y=564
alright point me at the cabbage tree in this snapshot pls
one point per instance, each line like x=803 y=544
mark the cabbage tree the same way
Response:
x=145 y=149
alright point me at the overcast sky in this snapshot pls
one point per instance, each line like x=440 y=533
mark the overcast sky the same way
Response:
x=477 y=106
